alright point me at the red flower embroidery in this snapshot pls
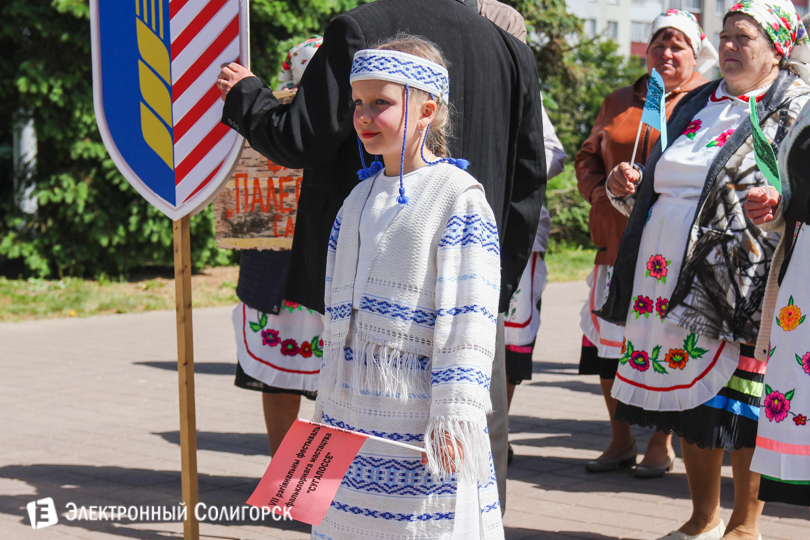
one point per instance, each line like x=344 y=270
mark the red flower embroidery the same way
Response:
x=270 y=338
x=721 y=139
x=692 y=129
x=289 y=347
x=800 y=420
x=661 y=306
x=643 y=306
x=306 y=349
x=657 y=268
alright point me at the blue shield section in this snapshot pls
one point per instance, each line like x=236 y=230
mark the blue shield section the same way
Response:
x=122 y=96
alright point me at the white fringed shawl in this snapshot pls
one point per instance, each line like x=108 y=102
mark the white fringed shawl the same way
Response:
x=431 y=297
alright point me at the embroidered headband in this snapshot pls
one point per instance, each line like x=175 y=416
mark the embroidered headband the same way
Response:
x=705 y=53
x=401 y=68
x=410 y=71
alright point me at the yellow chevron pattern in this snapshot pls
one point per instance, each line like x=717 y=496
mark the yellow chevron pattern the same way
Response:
x=155 y=83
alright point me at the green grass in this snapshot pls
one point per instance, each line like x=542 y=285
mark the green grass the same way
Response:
x=74 y=297
x=569 y=264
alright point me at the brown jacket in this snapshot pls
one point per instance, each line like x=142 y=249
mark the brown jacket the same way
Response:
x=611 y=142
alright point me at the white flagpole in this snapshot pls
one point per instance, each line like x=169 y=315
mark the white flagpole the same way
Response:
x=635 y=147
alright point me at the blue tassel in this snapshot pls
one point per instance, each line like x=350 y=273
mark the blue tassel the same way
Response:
x=370 y=171
x=459 y=162
x=402 y=199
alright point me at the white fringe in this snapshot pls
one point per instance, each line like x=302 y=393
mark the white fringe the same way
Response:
x=376 y=369
x=465 y=434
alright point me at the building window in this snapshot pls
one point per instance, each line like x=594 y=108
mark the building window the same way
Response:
x=640 y=31
x=694 y=6
x=801 y=10
x=590 y=28
x=716 y=40
x=719 y=7
x=675 y=4
x=612 y=30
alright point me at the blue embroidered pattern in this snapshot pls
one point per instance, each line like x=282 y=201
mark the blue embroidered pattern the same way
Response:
x=471 y=230
x=333 y=236
x=316 y=534
x=465 y=277
x=403 y=477
x=463 y=310
x=490 y=507
x=368 y=512
x=340 y=311
x=459 y=375
x=415 y=71
x=417 y=315
x=403 y=437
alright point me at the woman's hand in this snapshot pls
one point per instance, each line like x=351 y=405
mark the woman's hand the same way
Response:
x=447 y=454
x=623 y=179
x=761 y=204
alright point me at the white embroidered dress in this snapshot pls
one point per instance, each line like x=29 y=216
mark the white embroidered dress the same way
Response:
x=665 y=367
x=409 y=336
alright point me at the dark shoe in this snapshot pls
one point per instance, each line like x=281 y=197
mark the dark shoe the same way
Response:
x=625 y=459
x=650 y=471
x=510 y=454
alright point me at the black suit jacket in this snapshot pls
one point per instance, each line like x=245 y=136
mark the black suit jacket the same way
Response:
x=497 y=126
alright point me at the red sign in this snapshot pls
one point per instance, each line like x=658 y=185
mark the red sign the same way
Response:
x=306 y=471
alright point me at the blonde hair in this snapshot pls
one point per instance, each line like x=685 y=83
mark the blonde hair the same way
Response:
x=440 y=128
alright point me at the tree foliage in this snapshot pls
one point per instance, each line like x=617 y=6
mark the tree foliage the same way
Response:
x=89 y=220
x=576 y=74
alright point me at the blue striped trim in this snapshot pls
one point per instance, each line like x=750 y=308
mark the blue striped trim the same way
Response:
x=416 y=315
x=403 y=437
x=733 y=406
x=460 y=374
x=398 y=477
x=390 y=516
x=490 y=507
x=465 y=277
x=463 y=310
x=471 y=230
x=340 y=311
x=316 y=534
x=333 y=236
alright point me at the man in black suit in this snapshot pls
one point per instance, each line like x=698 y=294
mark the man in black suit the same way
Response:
x=497 y=126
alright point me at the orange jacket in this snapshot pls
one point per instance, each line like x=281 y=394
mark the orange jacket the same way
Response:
x=611 y=142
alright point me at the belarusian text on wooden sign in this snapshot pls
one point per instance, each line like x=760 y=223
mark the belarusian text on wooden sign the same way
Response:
x=257 y=207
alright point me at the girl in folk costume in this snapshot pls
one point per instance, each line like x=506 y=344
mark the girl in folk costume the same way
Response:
x=412 y=285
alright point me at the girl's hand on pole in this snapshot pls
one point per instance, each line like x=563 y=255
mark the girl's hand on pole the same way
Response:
x=761 y=204
x=623 y=179
x=447 y=454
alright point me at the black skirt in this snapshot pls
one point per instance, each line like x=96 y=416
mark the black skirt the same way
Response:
x=243 y=380
x=729 y=420
x=775 y=490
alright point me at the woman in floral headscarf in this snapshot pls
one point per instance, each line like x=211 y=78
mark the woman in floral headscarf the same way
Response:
x=691 y=272
x=679 y=51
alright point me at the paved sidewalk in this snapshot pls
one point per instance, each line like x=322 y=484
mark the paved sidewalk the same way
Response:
x=90 y=416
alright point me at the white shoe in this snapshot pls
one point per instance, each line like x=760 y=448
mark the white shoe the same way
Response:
x=714 y=534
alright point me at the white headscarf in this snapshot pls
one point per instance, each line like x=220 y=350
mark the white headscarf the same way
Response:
x=705 y=53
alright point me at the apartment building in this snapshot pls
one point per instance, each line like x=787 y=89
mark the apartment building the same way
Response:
x=627 y=22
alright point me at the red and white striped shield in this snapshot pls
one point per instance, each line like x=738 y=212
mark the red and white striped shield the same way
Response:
x=155 y=64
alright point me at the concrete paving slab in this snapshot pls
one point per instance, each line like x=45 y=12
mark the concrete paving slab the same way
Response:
x=91 y=417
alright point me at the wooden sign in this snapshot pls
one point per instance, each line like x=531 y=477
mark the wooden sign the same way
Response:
x=258 y=206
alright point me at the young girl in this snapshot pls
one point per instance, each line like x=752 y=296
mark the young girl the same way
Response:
x=412 y=285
